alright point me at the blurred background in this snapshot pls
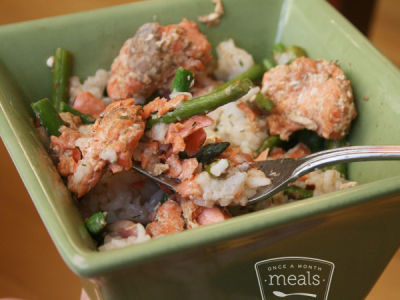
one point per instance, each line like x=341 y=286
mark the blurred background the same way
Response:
x=30 y=266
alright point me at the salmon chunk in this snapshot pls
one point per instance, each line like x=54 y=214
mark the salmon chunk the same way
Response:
x=312 y=94
x=149 y=60
x=196 y=215
x=111 y=143
x=168 y=220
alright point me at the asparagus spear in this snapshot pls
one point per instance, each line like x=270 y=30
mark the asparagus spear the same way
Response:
x=253 y=73
x=183 y=80
x=208 y=152
x=283 y=55
x=296 y=51
x=297 y=193
x=86 y=118
x=47 y=116
x=268 y=63
x=204 y=104
x=269 y=142
x=96 y=223
x=61 y=74
x=278 y=48
x=264 y=102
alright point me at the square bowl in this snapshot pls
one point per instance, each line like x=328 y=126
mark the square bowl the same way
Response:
x=357 y=230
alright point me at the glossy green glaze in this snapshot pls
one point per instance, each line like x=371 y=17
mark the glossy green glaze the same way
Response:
x=357 y=229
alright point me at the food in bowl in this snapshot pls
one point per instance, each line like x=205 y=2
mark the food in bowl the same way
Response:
x=167 y=106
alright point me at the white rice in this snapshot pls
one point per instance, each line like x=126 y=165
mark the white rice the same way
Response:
x=85 y=129
x=232 y=60
x=328 y=181
x=232 y=125
x=158 y=132
x=219 y=167
x=94 y=84
x=235 y=188
x=114 y=240
x=213 y=18
x=324 y=182
x=116 y=195
x=50 y=62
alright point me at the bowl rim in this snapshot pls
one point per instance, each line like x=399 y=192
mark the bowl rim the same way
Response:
x=88 y=263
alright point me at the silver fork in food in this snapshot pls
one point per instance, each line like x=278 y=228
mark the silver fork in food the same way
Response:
x=287 y=170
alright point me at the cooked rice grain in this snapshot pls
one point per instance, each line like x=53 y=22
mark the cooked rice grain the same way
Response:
x=114 y=239
x=94 y=84
x=232 y=125
x=124 y=196
x=236 y=188
x=232 y=60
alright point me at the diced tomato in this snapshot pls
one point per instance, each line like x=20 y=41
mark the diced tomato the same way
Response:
x=195 y=141
x=86 y=103
x=178 y=131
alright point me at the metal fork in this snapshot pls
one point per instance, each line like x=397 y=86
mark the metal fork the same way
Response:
x=284 y=171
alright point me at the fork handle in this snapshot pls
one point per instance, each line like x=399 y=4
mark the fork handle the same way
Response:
x=346 y=154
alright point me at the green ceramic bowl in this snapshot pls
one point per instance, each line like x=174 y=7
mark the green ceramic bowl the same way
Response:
x=351 y=234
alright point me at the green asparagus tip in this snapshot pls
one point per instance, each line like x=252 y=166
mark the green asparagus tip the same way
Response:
x=264 y=102
x=284 y=55
x=96 y=223
x=211 y=151
x=183 y=80
x=296 y=51
x=270 y=142
x=48 y=116
x=278 y=47
x=61 y=73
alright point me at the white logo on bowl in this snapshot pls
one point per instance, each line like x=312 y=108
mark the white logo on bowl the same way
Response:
x=294 y=277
